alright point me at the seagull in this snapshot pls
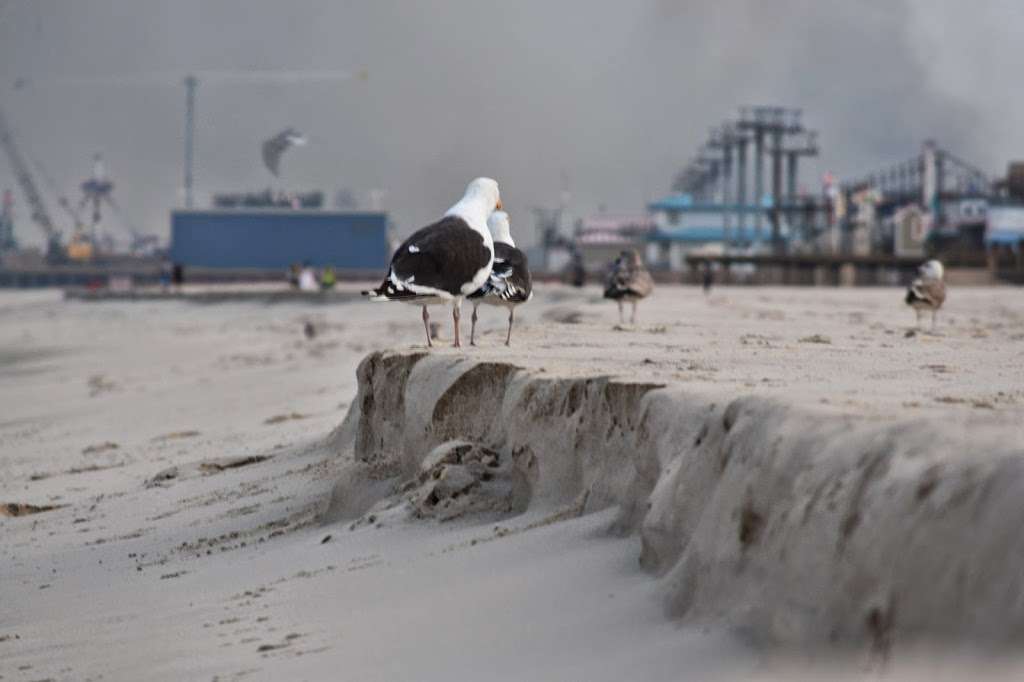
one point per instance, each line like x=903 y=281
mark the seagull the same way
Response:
x=448 y=260
x=928 y=291
x=275 y=147
x=510 y=283
x=628 y=281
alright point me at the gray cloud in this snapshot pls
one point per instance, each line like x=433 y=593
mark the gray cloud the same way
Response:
x=616 y=95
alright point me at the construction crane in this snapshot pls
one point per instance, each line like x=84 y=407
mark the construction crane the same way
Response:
x=62 y=199
x=7 y=241
x=98 y=191
x=40 y=216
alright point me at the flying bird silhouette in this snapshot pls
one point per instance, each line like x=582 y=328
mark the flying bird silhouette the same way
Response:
x=275 y=147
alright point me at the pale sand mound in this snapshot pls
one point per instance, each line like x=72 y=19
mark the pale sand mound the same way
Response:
x=798 y=526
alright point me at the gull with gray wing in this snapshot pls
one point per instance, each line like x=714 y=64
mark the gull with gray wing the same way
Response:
x=928 y=291
x=510 y=283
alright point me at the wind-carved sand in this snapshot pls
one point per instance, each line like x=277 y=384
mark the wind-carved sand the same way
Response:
x=800 y=526
x=766 y=466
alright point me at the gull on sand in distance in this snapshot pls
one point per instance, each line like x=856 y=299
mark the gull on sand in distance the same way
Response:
x=510 y=283
x=628 y=281
x=446 y=261
x=928 y=291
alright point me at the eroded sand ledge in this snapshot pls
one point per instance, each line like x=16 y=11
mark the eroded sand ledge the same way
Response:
x=799 y=527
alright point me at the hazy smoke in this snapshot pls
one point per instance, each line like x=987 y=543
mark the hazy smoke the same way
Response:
x=615 y=95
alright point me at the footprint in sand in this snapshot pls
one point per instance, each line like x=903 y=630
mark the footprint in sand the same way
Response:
x=174 y=435
x=25 y=509
x=100 y=447
x=279 y=418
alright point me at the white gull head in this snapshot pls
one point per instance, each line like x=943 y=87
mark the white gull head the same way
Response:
x=499 y=227
x=476 y=205
x=931 y=270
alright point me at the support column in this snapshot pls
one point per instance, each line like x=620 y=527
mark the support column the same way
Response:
x=758 y=180
x=726 y=189
x=776 y=190
x=741 y=185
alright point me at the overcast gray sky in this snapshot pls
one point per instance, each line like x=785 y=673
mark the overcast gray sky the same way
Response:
x=617 y=95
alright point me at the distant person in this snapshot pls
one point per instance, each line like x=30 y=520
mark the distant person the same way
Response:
x=178 y=275
x=578 y=272
x=293 y=275
x=165 y=275
x=707 y=278
x=328 y=278
x=307 y=279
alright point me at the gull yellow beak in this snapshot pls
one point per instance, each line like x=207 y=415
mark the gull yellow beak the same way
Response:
x=498 y=206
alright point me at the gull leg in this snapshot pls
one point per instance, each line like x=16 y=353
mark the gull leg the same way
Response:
x=917 y=312
x=934 y=313
x=456 y=314
x=472 y=326
x=511 y=317
x=426 y=325
x=622 y=320
x=632 y=319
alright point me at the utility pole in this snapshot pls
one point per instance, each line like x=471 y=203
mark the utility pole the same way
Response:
x=190 y=127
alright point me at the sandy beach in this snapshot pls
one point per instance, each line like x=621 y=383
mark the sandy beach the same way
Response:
x=168 y=469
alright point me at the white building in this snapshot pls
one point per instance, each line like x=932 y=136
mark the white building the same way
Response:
x=1005 y=225
x=600 y=238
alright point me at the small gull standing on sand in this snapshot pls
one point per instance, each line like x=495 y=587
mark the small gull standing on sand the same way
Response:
x=447 y=260
x=928 y=291
x=628 y=281
x=510 y=283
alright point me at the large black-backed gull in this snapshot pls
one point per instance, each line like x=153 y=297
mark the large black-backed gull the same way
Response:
x=448 y=260
x=510 y=283
x=928 y=291
x=628 y=281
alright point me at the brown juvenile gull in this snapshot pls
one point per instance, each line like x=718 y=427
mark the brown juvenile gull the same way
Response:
x=510 y=283
x=628 y=281
x=446 y=261
x=928 y=291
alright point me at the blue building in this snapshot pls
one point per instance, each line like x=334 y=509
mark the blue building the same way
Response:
x=683 y=226
x=272 y=238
